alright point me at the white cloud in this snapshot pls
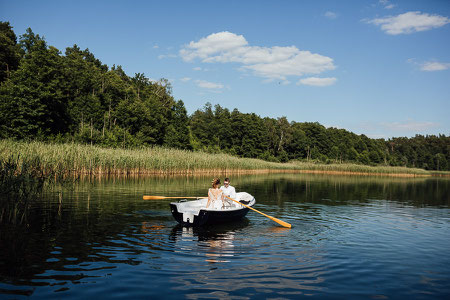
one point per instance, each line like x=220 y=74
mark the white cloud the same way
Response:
x=317 y=81
x=386 y=4
x=268 y=80
x=209 y=85
x=413 y=21
x=434 y=66
x=200 y=69
x=162 y=56
x=376 y=136
x=185 y=79
x=274 y=62
x=410 y=126
x=429 y=66
x=331 y=15
x=221 y=42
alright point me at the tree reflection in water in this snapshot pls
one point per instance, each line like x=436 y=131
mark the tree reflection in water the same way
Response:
x=102 y=234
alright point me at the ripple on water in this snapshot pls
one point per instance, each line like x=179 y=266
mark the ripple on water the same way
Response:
x=363 y=248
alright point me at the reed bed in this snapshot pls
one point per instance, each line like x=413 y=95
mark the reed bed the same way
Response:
x=440 y=173
x=20 y=182
x=77 y=159
x=348 y=168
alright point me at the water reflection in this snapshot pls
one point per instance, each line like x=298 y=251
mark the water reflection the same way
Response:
x=258 y=262
x=215 y=242
x=348 y=232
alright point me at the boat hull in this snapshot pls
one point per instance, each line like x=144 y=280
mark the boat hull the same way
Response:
x=195 y=213
x=208 y=217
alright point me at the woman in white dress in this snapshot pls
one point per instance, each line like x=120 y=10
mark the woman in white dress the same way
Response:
x=215 y=196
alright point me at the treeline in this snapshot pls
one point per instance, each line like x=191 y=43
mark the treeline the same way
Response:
x=47 y=95
x=248 y=135
x=57 y=97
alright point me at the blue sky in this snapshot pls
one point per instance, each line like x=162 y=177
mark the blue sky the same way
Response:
x=379 y=68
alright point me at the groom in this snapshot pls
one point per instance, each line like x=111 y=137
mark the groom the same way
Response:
x=227 y=189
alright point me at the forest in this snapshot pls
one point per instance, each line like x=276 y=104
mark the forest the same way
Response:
x=49 y=96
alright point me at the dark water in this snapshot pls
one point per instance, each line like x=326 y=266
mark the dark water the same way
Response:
x=352 y=238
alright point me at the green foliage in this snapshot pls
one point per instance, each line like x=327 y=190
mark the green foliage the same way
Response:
x=45 y=95
x=177 y=132
x=428 y=152
x=31 y=99
x=248 y=135
x=9 y=51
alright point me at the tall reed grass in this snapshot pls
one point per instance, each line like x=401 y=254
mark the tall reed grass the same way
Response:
x=343 y=168
x=21 y=182
x=76 y=159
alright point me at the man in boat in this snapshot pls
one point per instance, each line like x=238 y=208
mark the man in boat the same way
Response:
x=227 y=189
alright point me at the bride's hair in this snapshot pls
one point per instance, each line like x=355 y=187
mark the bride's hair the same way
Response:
x=215 y=181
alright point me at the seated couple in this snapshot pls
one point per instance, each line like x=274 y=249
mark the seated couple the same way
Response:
x=217 y=197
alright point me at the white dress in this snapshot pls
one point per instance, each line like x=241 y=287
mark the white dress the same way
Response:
x=216 y=198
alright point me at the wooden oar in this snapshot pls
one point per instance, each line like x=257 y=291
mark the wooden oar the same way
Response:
x=282 y=223
x=162 y=197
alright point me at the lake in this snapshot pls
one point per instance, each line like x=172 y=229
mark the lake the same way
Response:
x=351 y=238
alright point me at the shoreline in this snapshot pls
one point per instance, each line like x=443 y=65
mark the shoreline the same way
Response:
x=350 y=173
x=137 y=173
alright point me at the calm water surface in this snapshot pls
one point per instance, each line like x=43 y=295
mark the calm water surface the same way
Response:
x=352 y=238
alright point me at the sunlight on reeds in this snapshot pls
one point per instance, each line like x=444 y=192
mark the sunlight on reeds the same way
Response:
x=358 y=169
x=76 y=159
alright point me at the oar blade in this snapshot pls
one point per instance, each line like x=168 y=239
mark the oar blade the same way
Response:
x=282 y=223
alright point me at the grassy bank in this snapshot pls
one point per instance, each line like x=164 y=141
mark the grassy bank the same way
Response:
x=75 y=159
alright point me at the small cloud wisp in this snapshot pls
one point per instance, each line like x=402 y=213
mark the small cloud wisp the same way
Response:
x=410 y=22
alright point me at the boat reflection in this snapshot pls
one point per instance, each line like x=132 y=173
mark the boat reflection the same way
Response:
x=215 y=242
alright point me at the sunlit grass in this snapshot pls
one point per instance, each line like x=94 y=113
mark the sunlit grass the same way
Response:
x=440 y=173
x=76 y=159
x=356 y=168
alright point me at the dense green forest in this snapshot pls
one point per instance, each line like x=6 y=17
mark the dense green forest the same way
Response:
x=49 y=96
